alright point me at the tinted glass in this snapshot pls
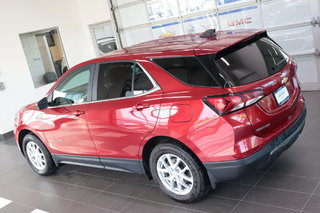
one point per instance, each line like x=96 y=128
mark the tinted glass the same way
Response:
x=114 y=80
x=141 y=81
x=188 y=70
x=121 y=79
x=253 y=62
x=73 y=89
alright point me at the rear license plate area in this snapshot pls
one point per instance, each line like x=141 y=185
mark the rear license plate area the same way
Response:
x=281 y=95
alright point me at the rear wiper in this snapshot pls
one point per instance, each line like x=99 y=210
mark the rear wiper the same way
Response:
x=276 y=66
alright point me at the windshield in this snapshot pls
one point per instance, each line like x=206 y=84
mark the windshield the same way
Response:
x=253 y=62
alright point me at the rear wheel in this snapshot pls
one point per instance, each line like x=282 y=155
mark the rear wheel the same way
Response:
x=38 y=156
x=177 y=173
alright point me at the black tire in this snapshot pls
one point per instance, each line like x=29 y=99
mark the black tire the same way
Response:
x=201 y=185
x=49 y=167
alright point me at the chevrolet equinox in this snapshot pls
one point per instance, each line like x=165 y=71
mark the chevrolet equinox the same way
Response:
x=189 y=111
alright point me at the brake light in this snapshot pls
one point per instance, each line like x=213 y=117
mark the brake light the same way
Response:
x=225 y=104
x=295 y=65
x=252 y=97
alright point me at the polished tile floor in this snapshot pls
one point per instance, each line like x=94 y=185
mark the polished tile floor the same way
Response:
x=291 y=184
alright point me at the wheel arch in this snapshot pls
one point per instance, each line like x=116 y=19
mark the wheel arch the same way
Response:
x=153 y=142
x=21 y=136
x=23 y=133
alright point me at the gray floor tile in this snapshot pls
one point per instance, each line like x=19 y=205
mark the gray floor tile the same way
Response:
x=183 y=210
x=90 y=209
x=249 y=179
x=136 y=178
x=79 y=194
x=294 y=168
x=110 y=201
x=245 y=207
x=297 y=154
x=16 y=208
x=231 y=190
x=62 y=176
x=127 y=188
x=313 y=204
x=39 y=200
x=139 y=206
x=212 y=204
x=10 y=177
x=36 y=183
x=308 y=137
x=317 y=191
x=94 y=182
x=156 y=195
x=3 y=186
x=300 y=184
x=25 y=169
x=290 y=200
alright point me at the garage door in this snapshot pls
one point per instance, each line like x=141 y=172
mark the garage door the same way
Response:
x=294 y=24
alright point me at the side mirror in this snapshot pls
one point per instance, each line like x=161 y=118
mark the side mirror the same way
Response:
x=62 y=101
x=43 y=103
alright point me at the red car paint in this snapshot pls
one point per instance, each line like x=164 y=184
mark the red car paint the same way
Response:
x=121 y=128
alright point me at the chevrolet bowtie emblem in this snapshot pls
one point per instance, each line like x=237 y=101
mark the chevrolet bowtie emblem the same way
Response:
x=284 y=80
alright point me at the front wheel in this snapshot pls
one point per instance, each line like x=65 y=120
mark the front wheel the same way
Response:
x=177 y=173
x=38 y=156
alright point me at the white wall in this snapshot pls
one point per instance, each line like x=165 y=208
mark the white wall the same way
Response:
x=91 y=14
x=72 y=17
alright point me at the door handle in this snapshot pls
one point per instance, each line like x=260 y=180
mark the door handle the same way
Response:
x=78 y=112
x=140 y=107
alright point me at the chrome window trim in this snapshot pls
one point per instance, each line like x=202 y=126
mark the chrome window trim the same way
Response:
x=155 y=88
x=121 y=98
x=148 y=75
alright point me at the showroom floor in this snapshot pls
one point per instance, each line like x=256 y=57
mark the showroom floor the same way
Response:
x=291 y=184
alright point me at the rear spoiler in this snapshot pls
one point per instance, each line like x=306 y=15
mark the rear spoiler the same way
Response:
x=244 y=43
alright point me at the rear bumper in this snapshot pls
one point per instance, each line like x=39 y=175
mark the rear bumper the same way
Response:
x=227 y=170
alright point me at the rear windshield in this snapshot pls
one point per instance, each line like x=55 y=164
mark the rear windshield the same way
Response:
x=253 y=62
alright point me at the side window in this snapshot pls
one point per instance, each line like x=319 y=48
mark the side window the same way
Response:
x=141 y=81
x=188 y=70
x=121 y=79
x=73 y=89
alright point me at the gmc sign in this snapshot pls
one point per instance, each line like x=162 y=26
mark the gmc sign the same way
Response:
x=241 y=21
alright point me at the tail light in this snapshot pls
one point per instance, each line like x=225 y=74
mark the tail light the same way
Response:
x=225 y=104
x=295 y=79
x=294 y=63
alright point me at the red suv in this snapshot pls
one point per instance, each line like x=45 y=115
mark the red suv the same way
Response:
x=188 y=111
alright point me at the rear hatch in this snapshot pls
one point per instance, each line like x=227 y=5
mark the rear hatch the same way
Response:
x=259 y=71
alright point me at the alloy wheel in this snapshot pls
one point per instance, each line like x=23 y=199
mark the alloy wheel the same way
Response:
x=36 y=155
x=175 y=174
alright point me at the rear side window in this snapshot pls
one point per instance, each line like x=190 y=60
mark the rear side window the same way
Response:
x=121 y=79
x=141 y=82
x=254 y=62
x=188 y=70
